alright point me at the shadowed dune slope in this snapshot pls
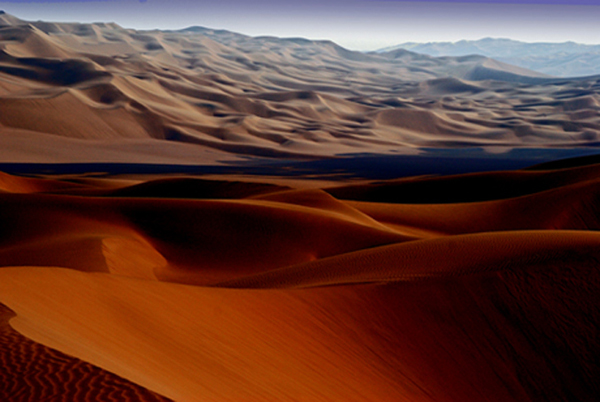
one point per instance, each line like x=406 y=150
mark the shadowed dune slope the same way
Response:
x=195 y=188
x=436 y=258
x=461 y=188
x=198 y=240
x=569 y=207
x=306 y=285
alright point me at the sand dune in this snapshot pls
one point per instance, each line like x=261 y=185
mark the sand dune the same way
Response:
x=230 y=237
x=157 y=282
x=459 y=188
x=14 y=184
x=209 y=90
x=456 y=339
x=196 y=188
x=266 y=272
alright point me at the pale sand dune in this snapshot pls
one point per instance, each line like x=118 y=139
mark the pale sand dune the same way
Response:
x=20 y=145
x=218 y=91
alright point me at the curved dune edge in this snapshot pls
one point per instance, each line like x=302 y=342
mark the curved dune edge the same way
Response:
x=16 y=184
x=431 y=259
x=497 y=315
x=33 y=372
x=230 y=346
x=189 y=241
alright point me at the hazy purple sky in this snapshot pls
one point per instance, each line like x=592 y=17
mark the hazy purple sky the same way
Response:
x=356 y=24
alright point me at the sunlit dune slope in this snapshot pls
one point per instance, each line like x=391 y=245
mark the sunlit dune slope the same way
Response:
x=524 y=335
x=306 y=285
x=14 y=184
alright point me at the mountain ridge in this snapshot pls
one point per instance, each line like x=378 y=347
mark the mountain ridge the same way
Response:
x=563 y=59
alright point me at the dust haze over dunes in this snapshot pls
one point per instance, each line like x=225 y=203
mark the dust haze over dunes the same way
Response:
x=257 y=284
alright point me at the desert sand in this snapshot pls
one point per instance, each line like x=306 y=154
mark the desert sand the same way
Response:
x=278 y=286
x=104 y=93
x=281 y=293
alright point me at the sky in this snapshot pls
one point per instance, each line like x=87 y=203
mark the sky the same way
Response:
x=354 y=24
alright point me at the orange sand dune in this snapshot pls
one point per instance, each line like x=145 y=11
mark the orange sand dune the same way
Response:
x=14 y=184
x=501 y=336
x=568 y=207
x=358 y=300
x=460 y=188
x=229 y=237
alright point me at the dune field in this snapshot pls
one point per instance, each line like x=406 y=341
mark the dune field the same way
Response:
x=105 y=93
x=284 y=286
x=258 y=292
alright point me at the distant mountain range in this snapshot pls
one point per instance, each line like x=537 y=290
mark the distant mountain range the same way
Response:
x=568 y=59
